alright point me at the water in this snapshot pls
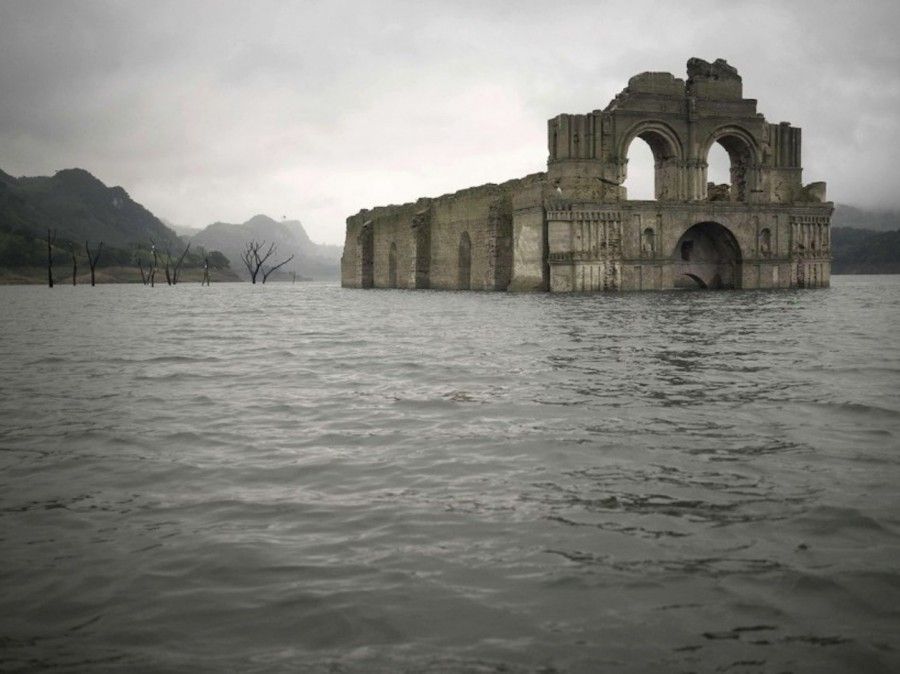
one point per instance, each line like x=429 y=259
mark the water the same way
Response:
x=306 y=478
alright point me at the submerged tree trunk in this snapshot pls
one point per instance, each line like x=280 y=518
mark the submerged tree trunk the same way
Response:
x=74 y=266
x=141 y=267
x=153 y=268
x=178 y=264
x=92 y=259
x=50 y=239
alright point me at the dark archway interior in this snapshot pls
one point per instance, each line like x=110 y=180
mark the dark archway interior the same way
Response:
x=707 y=256
x=465 y=262
x=392 y=266
x=367 y=256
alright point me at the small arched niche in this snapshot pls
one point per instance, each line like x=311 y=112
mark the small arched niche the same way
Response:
x=648 y=243
x=765 y=242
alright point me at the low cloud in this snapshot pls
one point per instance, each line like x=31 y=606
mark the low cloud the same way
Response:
x=210 y=111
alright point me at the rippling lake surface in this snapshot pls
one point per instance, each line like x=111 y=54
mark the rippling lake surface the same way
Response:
x=307 y=478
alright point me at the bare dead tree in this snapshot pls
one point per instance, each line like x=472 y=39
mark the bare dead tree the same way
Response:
x=168 y=262
x=205 y=271
x=74 y=263
x=144 y=278
x=253 y=259
x=177 y=265
x=51 y=239
x=92 y=260
x=266 y=272
x=151 y=274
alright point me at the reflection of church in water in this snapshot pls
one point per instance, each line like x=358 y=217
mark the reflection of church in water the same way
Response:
x=572 y=228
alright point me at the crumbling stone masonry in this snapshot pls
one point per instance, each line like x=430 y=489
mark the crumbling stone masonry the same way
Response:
x=573 y=229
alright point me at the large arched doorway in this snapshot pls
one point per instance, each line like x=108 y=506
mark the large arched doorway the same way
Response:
x=465 y=262
x=707 y=256
x=392 y=266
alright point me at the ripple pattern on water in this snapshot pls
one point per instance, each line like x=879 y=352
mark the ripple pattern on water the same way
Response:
x=308 y=478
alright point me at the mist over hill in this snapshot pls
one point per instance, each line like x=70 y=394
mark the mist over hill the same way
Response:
x=311 y=260
x=863 y=218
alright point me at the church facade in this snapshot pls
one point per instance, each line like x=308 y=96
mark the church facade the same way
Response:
x=572 y=228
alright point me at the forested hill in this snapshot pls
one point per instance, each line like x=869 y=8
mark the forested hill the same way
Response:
x=863 y=251
x=865 y=241
x=78 y=207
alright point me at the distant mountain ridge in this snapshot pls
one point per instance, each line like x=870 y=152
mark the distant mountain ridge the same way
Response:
x=311 y=260
x=78 y=207
x=864 y=218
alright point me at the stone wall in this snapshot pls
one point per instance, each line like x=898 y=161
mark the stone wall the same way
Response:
x=427 y=234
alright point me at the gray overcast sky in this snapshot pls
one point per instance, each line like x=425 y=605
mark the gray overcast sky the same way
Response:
x=209 y=111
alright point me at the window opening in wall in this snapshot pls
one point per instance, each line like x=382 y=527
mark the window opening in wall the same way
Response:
x=718 y=174
x=739 y=162
x=640 y=172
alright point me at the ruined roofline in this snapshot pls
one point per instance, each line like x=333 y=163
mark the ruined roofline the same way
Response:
x=486 y=188
x=715 y=81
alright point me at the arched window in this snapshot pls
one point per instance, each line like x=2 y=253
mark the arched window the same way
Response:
x=465 y=262
x=640 y=172
x=740 y=160
x=652 y=175
x=392 y=266
x=718 y=173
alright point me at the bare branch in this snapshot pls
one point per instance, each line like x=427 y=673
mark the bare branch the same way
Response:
x=252 y=258
x=280 y=264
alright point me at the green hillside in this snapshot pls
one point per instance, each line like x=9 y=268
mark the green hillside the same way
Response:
x=863 y=251
x=78 y=207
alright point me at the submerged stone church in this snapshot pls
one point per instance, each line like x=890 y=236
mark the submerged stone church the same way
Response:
x=573 y=228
